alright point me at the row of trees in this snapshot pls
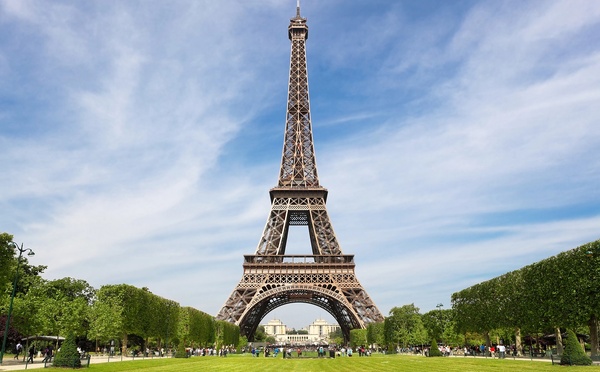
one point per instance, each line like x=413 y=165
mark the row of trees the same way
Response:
x=122 y=310
x=405 y=326
x=114 y=312
x=553 y=294
x=549 y=296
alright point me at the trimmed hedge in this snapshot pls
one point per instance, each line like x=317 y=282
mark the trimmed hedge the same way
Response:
x=434 y=351
x=68 y=356
x=574 y=355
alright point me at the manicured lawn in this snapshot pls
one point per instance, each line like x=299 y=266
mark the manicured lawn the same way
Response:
x=376 y=363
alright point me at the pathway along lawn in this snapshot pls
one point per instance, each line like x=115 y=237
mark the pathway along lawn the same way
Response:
x=376 y=363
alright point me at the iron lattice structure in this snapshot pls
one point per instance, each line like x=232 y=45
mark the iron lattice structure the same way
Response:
x=326 y=278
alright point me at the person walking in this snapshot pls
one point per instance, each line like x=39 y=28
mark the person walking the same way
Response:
x=18 y=348
x=31 y=353
x=48 y=357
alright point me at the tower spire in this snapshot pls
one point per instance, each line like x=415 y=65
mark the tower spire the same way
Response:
x=298 y=163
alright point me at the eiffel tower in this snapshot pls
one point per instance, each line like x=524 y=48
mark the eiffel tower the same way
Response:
x=326 y=278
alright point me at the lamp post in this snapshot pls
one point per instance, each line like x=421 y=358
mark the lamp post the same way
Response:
x=12 y=296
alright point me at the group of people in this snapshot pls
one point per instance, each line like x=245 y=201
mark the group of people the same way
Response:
x=48 y=353
x=322 y=352
x=500 y=350
x=287 y=353
x=222 y=352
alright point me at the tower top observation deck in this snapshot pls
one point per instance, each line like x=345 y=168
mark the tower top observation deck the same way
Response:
x=298 y=25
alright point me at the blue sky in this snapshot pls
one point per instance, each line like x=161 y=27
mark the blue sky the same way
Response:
x=458 y=139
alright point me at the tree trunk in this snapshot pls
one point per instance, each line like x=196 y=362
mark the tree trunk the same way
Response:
x=124 y=346
x=593 y=324
x=26 y=350
x=559 y=343
x=488 y=343
x=518 y=345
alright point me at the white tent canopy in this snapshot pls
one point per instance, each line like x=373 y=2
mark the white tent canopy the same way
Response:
x=43 y=338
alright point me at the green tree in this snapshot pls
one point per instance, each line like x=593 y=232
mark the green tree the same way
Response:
x=336 y=337
x=434 y=351
x=22 y=316
x=375 y=334
x=440 y=324
x=404 y=327
x=260 y=335
x=574 y=353
x=567 y=283
x=242 y=343
x=8 y=263
x=68 y=356
x=135 y=311
x=183 y=326
x=436 y=322
x=226 y=334
x=56 y=307
x=107 y=320
x=181 y=352
x=194 y=326
x=358 y=337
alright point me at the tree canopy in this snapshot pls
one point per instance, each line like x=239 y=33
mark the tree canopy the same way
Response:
x=404 y=327
x=558 y=292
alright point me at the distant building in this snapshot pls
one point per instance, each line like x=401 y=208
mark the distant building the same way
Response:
x=275 y=327
x=318 y=332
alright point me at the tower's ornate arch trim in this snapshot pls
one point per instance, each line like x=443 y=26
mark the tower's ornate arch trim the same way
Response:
x=326 y=297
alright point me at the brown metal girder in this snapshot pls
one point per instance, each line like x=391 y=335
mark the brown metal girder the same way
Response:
x=296 y=192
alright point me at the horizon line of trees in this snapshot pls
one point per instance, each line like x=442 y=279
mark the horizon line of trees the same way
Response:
x=551 y=295
x=119 y=313
x=547 y=297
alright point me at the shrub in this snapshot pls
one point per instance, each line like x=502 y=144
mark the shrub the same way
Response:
x=434 y=351
x=574 y=353
x=68 y=356
x=181 y=352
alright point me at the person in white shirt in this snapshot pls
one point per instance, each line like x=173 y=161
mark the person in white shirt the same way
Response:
x=502 y=351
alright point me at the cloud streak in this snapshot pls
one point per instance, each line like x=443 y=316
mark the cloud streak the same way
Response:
x=140 y=140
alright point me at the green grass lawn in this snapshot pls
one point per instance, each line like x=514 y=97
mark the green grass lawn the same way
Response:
x=376 y=363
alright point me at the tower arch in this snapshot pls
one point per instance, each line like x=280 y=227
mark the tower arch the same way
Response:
x=328 y=299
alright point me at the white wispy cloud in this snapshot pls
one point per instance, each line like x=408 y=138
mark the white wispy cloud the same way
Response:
x=515 y=131
x=457 y=143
